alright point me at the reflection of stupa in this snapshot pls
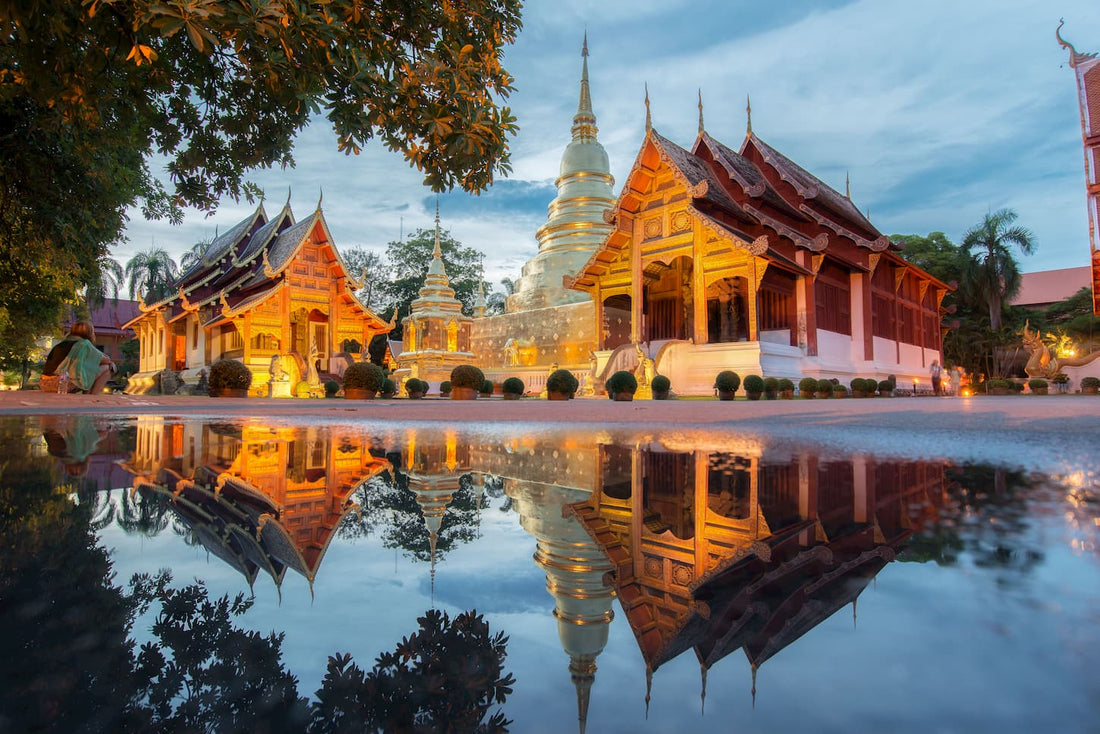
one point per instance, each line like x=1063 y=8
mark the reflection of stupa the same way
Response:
x=259 y=498
x=434 y=473
x=576 y=572
x=716 y=553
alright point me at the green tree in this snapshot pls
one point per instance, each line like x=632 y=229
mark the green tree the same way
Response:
x=367 y=265
x=150 y=273
x=407 y=264
x=933 y=253
x=104 y=283
x=991 y=275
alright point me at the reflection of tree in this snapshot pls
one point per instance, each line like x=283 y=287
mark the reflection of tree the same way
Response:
x=444 y=677
x=389 y=507
x=986 y=516
x=145 y=513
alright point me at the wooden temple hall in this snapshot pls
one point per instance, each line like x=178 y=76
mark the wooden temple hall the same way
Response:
x=272 y=293
x=723 y=259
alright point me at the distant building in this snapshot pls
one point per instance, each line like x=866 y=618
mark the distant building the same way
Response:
x=1047 y=287
x=110 y=320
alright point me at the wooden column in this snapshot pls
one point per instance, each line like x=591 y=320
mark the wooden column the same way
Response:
x=637 y=284
x=698 y=285
x=597 y=301
x=246 y=338
x=750 y=298
x=808 y=298
x=637 y=467
x=868 y=319
x=702 y=468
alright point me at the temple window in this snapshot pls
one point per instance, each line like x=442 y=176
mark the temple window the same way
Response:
x=727 y=311
x=729 y=486
x=195 y=335
x=776 y=301
x=832 y=295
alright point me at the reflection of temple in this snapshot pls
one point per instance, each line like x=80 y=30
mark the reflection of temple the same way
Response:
x=259 y=498
x=718 y=552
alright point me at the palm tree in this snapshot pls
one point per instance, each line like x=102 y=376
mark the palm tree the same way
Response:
x=106 y=282
x=194 y=255
x=991 y=273
x=151 y=273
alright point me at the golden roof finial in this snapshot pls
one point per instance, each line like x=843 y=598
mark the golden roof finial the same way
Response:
x=847 y=185
x=648 y=118
x=584 y=122
x=437 y=253
x=320 y=197
x=287 y=198
x=1074 y=55
x=748 y=114
x=700 y=110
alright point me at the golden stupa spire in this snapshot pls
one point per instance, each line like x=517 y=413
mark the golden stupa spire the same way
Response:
x=584 y=122
x=648 y=687
x=703 y=693
x=700 y=111
x=847 y=185
x=437 y=253
x=433 y=538
x=748 y=116
x=648 y=118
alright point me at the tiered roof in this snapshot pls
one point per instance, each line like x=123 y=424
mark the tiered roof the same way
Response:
x=246 y=265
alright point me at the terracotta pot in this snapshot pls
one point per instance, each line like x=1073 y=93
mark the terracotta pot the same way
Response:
x=229 y=392
x=660 y=394
x=463 y=393
x=886 y=394
x=726 y=394
x=824 y=395
x=416 y=395
x=1089 y=390
x=1040 y=390
x=858 y=394
x=752 y=395
x=770 y=394
x=387 y=395
x=359 y=393
x=555 y=395
x=786 y=394
x=807 y=396
x=623 y=397
x=998 y=391
x=512 y=396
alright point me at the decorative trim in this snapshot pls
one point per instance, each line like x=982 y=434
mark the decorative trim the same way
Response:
x=873 y=261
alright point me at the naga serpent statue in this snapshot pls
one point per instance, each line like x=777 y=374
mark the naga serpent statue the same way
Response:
x=1041 y=363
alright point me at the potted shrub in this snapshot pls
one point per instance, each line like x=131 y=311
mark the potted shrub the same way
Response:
x=229 y=378
x=363 y=380
x=445 y=388
x=415 y=388
x=512 y=388
x=621 y=386
x=859 y=387
x=771 y=388
x=486 y=389
x=465 y=382
x=1061 y=382
x=1015 y=387
x=1090 y=385
x=807 y=387
x=786 y=388
x=839 y=391
x=1038 y=386
x=998 y=387
x=661 y=386
x=726 y=383
x=824 y=388
x=389 y=388
x=331 y=388
x=886 y=388
x=301 y=389
x=754 y=387
x=562 y=385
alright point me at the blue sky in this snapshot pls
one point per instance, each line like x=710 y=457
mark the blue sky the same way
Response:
x=939 y=111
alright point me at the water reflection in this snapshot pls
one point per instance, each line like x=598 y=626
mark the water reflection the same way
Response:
x=745 y=549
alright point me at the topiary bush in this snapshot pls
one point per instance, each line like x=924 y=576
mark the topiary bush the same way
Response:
x=885 y=387
x=331 y=388
x=825 y=386
x=1037 y=384
x=563 y=381
x=754 y=384
x=1016 y=387
x=466 y=375
x=661 y=384
x=839 y=391
x=1091 y=383
x=771 y=384
x=389 y=388
x=445 y=387
x=785 y=384
x=486 y=387
x=858 y=384
x=512 y=386
x=621 y=381
x=229 y=374
x=727 y=381
x=415 y=388
x=807 y=386
x=364 y=376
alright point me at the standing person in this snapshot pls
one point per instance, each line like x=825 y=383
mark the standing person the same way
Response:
x=955 y=376
x=937 y=374
x=76 y=356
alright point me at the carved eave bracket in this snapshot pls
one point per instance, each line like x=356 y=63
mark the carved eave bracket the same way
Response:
x=186 y=304
x=872 y=262
x=899 y=276
x=269 y=271
x=611 y=215
x=923 y=289
x=226 y=310
x=880 y=245
x=759 y=246
x=141 y=304
x=816 y=261
x=818 y=243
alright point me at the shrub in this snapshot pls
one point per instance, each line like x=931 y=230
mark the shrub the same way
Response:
x=1037 y=384
x=727 y=381
x=486 y=387
x=1090 y=382
x=785 y=384
x=886 y=386
x=301 y=389
x=839 y=391
x=331 y=388
x=445 y=387
x=771 y=384
x=621 y=381
x=229 y=374
x=1061 y=379
x=389 y=387
x=512 y=386
x=825 y=386
x=661 y=384
x=563 y=381
x=754 y=383
x=415 y=385
x=1015 y=386
x=364 y=376
x=466 y=375
x=807 y=386
x=858 y=384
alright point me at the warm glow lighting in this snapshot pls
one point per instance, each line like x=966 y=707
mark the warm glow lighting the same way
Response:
x=966 y=392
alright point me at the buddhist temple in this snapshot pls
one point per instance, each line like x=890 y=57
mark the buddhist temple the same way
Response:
x=272 y=293
x=743 y=260
x=437 y=333
x=1086 y=68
